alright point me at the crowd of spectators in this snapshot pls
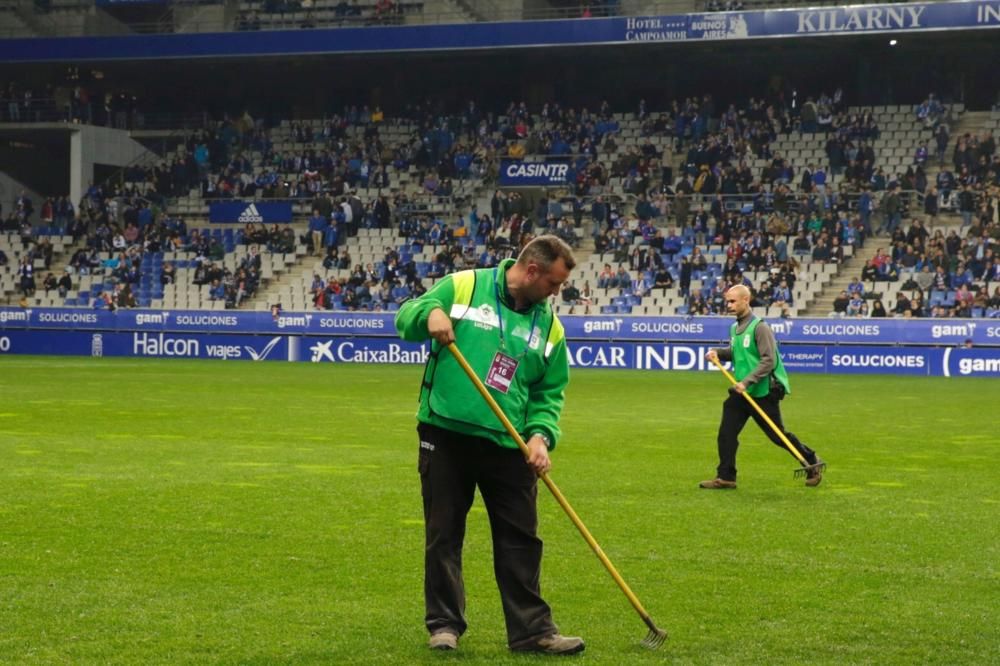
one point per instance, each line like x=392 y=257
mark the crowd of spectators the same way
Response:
x=935 y=274
x=400 y=276
x=237 y=156
x=313 y=14
x=757 y=221
x=368 y=287
x=724 y=5
x=34 y=246
x=123 y=237
x=71 y=101
x=802 y=204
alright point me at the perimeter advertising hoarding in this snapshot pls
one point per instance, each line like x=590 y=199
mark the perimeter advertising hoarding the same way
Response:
x=916 y=361
x=982 y=332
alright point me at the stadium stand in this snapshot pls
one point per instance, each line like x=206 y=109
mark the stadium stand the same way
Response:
x=718 y=183
x=41 y=248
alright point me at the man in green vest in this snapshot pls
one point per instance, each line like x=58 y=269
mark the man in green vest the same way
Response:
x=760 y=373
x=501 y=320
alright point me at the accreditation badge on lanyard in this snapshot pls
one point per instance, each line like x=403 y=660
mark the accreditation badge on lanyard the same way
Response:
x=504 y=366
x=501 y=372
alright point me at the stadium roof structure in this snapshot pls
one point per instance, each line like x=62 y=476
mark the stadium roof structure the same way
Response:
x=791 y=23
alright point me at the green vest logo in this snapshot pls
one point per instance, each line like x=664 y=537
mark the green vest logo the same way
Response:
x=485 y=317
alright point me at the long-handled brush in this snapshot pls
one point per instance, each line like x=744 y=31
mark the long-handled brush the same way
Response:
x=656 y=636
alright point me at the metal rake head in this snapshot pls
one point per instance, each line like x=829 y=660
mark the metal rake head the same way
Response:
x=804 y=471
x=655 y=637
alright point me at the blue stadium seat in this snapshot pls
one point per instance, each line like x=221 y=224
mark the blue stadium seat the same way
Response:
x=937 y=298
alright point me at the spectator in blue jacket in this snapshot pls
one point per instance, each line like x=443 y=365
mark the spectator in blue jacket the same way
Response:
x=317 y=229
x=331 y=236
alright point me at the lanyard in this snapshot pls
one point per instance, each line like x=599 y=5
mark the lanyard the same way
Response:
x=534 y=317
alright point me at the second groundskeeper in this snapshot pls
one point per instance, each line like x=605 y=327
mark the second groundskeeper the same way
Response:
x=501 y=320
x=758 y=367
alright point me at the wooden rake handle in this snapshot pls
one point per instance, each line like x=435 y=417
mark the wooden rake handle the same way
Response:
x=563 y=502
x=767 y=419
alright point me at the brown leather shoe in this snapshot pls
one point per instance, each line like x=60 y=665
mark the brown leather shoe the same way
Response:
x=443 y=640
x=814 y=477
x=554 y=644
x=718 y=484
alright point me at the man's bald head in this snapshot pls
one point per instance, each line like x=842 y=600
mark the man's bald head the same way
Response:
x=738 y=300
x=739 y=291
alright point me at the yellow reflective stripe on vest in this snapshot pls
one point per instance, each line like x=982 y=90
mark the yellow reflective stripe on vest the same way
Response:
x=556 y=335
x=464 y=282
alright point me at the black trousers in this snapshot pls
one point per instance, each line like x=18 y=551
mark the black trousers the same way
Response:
x=735 y=412
x=451 y=466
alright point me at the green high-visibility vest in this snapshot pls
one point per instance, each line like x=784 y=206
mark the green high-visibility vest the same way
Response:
x=746 y=357
x=535 y=338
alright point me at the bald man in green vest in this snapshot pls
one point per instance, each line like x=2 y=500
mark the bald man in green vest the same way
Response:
x=760 y=373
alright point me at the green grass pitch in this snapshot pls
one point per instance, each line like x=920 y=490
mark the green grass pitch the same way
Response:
x=174 y=512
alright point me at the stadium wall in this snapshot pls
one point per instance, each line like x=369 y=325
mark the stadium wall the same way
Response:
x=10 y=190
x=91 y=145
x=919 y=348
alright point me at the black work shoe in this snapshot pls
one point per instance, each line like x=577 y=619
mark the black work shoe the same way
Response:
x=443 y=640
x=554 y=644
x=718 y=484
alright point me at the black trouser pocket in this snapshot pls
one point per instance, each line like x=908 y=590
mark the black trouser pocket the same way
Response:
x=777 y=391
x=425 y=451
